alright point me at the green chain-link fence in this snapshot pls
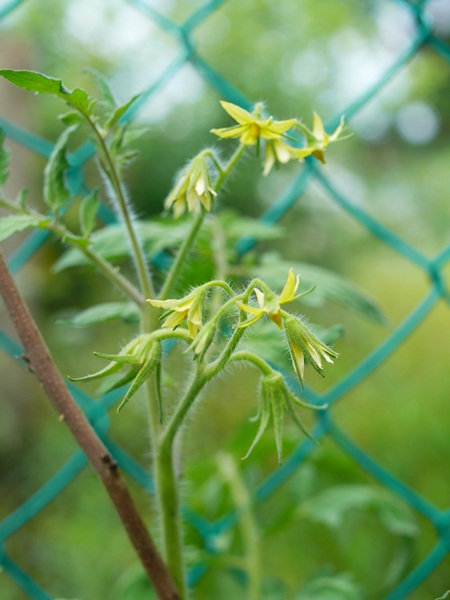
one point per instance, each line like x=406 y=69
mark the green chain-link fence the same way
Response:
x=97 y=411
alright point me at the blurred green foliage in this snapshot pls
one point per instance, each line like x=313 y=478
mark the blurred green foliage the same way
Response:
x=329 y=532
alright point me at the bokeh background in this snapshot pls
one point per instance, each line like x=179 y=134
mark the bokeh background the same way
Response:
x=332 y=525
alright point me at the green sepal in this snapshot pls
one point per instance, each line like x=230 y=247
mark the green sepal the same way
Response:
x=264 y=417
x=117 y=380
x=143 y=374
x=119 y=358
x=108 y=370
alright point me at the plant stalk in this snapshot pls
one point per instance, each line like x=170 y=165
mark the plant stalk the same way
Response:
x=41 y=363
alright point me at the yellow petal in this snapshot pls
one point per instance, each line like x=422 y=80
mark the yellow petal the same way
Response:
x=253 y=310
x=283 y=151
x=298 y=358
x=179 y=207
x=279 y=127
x=162 y=303
x=318 y=128
x=175 y=319
x=276 y=318
x=260 y=297
x=182 y=305
x=251 y=135
x=302 y=153
x=337 y=132
x=269 y=159
x=230 y=132
x=239 y=114
x=250 y=321
x=290 y=287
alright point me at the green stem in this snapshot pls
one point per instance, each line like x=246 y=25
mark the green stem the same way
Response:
x=114 y=275
x=180 y=258
x=167 y=488
x=250 y=538
x=110 y=170
x=256 y=360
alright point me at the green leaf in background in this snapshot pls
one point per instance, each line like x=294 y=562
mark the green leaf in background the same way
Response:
x=88 y=211
x=100 y=313
x=329 y=286
x=56 y=191
x=15 y=223
x=106 y=95
x=339 y=587
x=4 y=159
x=332 y=506
x=42 y=84
x=112 y=243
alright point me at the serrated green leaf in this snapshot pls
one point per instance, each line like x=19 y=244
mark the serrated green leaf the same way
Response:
x=112 y=242
x=34 y=82
x=4 y=159
x=329 y=286
x=56 y=190
x=109 y=311
x=42 y=84
x=88 y=211
x=119 y=112
x=15 y=223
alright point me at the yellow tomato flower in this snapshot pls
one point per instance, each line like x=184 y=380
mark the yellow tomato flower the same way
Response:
x=317 y=139
x=250 y=128
x=269 y=303
x=186 y=309
x=193 y=189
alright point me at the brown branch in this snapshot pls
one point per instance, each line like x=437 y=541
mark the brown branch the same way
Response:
x=42 y=364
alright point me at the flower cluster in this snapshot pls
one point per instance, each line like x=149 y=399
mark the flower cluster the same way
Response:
x=303 y=344
x=251 y=127
x=193 y=190
x=187 y=309
x=275 y=399
x=139 y=359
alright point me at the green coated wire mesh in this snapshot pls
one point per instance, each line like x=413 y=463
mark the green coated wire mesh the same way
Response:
x=183 y=34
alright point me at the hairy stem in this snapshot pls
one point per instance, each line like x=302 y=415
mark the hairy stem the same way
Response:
x=41 y=363
x=250 y=538
x=167 y=487
x=110 y=170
